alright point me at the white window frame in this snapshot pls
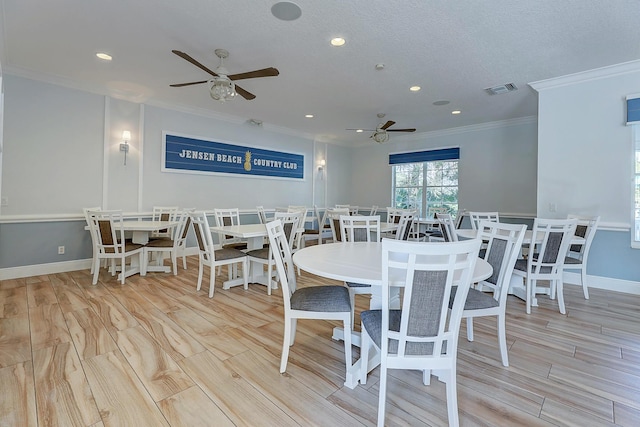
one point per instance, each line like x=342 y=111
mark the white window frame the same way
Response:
x=635 y=184
x=424 y=203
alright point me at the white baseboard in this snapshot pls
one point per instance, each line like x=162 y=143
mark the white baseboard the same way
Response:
x=56 y=267
x=618 y=285
x=608 y=283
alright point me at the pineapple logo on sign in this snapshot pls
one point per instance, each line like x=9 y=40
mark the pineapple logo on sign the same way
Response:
x=247 y=161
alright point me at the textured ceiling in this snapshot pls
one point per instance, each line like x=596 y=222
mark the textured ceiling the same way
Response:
x=452 y=49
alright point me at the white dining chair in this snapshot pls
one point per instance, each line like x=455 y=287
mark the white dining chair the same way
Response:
x=423 y=334
x=164 y=213
x=314 y=302
x=106 y=226
x=171 y=245
x=504 y=242
x=215 y=255
x=578 y=254
x=546 y=259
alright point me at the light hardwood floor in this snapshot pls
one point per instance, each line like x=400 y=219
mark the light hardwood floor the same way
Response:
x=156 y=352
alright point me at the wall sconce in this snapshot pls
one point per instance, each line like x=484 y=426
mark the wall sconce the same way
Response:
x=124 y=145
x=321 y=164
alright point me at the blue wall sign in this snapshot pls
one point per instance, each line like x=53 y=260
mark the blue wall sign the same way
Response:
x=186 y=154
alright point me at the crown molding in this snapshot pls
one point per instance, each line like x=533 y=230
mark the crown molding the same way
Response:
x=589 y=75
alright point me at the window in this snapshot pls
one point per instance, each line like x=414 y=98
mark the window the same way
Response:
x=428 y=183
x=635 y=236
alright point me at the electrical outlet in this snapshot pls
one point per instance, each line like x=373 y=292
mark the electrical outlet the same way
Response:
x=60 y=250
x=552 y=207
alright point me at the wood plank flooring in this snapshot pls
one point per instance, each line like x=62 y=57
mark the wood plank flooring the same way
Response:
x=155 y=352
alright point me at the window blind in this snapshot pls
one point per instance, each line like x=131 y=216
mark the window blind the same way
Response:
x=633 y=109
x=425 y=156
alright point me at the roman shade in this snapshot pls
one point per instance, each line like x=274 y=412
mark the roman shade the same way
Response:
x=633 y=109
x=426 y=156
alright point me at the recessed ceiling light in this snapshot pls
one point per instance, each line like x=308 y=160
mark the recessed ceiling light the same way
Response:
x=286 y=11
x=456 y=112
x=104 y=56
x=415 y=88
x=309 y=116
x=441 y=102
x=338 y=41
x=359 y=130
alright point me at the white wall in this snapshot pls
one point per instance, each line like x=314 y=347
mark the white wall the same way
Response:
x=52 y=149
x=497 y=166
x=585 y=155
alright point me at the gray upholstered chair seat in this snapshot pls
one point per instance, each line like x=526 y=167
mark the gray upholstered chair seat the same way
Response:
x=239 y=246
x=321 y=298
x=572 y=260
x=476 y=300
x=228 y=253
x=262 y=253
x=521 y=265
x=160 y=242
x=372 y=322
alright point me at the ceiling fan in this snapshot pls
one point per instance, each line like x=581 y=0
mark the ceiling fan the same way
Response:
x=221 y=86
x=380 y=134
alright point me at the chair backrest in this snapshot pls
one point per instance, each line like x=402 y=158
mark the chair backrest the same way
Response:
x=226 y=217
x=262 y=215
x=393 y=214
x=303 y=210
x=203 y=234
x=374 y=210
x=476 y=217
x=86 y=211
x=290 y=222
x=504 y=242
x=281 y=252
x=405 y=225
x=107 y=230
x=164 y=213
x=360 y=228
x=182 y=230
x=586 y=228
x=447 y=227
x=427 y=328
x=333 y=215
x=548 y=256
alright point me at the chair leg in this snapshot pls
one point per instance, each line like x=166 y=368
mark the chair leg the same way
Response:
x=200 y=273
x=528 y=295
x=469 y=328
x=286 y=342
x=365 y=344
x=174 y=262
x=347 y=344
x=452 y=398
x=294 y=324
x=245 y=273
x=96 y=271
x=212 y=280
x=560 y=286
x=502 y=339
x=583 y=279
x=382 y=394
x=269 y=278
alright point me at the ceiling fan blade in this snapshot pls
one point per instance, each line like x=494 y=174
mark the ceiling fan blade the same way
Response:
x=265 y=72
x=401 y=130
x=194 y=62
x=363 y=130
x=244 y=93
x=386 y=125
x=188 y=84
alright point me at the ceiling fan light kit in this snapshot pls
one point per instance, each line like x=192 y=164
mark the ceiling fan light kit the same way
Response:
x=381 y=137
x=222 y=88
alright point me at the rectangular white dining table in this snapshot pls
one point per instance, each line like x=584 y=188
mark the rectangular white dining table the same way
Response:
x=255 y=234
x=360 y=262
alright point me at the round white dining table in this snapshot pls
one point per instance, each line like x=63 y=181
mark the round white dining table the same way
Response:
x=359 y=262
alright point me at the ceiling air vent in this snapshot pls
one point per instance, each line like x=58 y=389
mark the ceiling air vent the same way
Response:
x=498 y=90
